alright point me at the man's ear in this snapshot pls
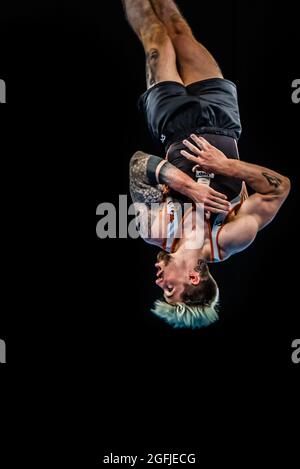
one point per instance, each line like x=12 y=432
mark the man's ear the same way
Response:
x=195 y=278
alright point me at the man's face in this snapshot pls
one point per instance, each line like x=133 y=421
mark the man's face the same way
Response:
x=170 y=278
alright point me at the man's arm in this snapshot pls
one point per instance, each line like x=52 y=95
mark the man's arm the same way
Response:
x=147 y=172
x=271 y=187
x=257 y=211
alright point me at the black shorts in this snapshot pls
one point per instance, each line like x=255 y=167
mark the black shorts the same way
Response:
x=173 y=111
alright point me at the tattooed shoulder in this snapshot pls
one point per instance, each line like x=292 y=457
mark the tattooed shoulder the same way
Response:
x=140 y=188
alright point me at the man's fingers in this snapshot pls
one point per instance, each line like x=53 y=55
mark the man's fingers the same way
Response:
x=192 y=147
x=202 y=142
x=190 y=157
x=215 y=210
x=221 y=203
x=217 y=194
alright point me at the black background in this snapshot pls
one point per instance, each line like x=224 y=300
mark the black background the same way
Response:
x=80 y=310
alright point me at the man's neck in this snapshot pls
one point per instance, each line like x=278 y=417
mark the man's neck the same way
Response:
x=200 y=249
x=184 y=251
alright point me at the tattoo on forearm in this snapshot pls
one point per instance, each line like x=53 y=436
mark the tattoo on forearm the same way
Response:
x=272 y=180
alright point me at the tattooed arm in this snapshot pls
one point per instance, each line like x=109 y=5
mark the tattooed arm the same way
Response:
x=141 y=190
x=148 y=172
x=257 y=211
x=271 y=189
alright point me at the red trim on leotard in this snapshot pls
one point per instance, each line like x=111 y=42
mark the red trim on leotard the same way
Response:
x=175 y=240
x=212 y=251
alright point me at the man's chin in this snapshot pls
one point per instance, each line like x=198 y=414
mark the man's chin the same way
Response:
x=172 y=302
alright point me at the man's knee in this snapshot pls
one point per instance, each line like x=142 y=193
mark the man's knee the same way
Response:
x=154 y=35
x=178 y=26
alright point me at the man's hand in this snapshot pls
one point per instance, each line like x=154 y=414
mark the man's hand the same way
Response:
x=148 y=171
x=208 y=157
x=271 y=188
x=203 y=194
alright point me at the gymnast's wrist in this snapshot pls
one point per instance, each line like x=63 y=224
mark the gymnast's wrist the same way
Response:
x=190 y=188
x=229 y=167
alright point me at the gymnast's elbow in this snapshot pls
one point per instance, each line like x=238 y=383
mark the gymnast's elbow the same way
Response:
x=138 y=156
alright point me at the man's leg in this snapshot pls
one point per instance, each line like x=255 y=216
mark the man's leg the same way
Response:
x=194 y=61
x=160 y=53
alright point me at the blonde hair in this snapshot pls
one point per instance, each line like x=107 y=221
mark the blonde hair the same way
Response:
x=181 y=315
